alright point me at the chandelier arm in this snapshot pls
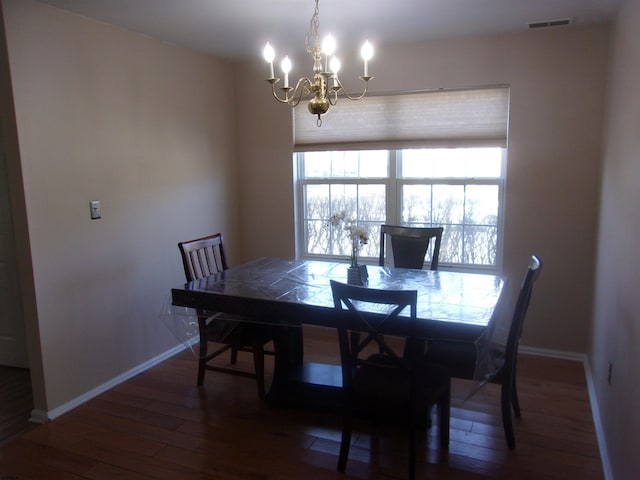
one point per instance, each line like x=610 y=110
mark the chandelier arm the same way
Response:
x=292 y=96
x=341 y=88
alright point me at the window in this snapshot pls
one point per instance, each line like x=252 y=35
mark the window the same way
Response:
x=421 y=159
x=460 y=189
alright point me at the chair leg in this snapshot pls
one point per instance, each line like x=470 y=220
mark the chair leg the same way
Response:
x=234 y=355
x=345 y=441
x=412 y=451
x=514 y=397
x=202 y=352
x=444 y=415
x=258 y=365
x=507 y=421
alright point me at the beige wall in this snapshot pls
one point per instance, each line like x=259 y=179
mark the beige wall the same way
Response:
x=160 y=137
x=148 y=129
x=616 y=329
x=557 y=80
x=19 y=225
x=265 y=166
x=13 y=344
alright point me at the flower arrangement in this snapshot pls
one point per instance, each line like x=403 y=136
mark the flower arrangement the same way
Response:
x=357 y=234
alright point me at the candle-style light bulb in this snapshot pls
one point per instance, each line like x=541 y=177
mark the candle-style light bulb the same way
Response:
x=335 y=65
x=367 y=53
x=335 y=68
x=269 y=54
x=328 y=47
x=286 y=68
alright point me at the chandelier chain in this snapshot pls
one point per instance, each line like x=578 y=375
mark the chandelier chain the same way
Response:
x=314 y=26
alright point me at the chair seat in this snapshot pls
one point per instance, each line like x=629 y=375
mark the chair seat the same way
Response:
x=464 y=360
x=221 y=328
x=226 y=327
x=458 y=358
x=378 y=378
x=378 y=387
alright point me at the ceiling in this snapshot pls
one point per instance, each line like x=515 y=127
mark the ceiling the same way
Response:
x=238 y=29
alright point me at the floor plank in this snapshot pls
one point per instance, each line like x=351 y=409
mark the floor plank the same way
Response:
x=16 y=402
x=160 y=425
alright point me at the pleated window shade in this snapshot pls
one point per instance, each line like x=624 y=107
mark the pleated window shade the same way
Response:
x=439 y=118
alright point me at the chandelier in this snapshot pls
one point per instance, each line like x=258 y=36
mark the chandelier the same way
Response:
x=325 y=86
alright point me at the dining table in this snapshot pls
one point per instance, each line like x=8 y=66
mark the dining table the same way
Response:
x=288 y=294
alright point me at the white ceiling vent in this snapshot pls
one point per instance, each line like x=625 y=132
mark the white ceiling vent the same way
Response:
x=551 y=23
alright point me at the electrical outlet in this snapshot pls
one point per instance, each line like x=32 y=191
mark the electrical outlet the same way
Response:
x=94 y=209
x=609 y=373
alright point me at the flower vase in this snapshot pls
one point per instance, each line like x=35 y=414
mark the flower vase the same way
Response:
x=357 y=275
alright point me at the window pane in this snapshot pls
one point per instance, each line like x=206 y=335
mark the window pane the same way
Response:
x=480 y=245
x=316 y=204
x=372 y=249
x=374 y=163
x=363 y=202
x=344 y=198
x=470 y=238
x=317 y=236
x=451 y=246
x=416 y=204
x=316 y=165
x=451 y=163
x=481 y=204
x=344 y=164
x=349 y=164
x=371 y=203
x=484 y=163
x=448 y=204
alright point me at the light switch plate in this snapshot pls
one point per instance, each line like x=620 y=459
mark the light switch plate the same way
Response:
x=94 y=208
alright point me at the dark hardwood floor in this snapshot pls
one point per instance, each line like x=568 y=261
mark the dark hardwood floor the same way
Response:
x=16 y=402
x=159 y=425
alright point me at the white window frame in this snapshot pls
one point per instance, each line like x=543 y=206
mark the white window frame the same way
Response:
x=393 y=184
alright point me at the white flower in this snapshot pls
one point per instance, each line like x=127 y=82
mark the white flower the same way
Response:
x=337 y=219
x=358 y=234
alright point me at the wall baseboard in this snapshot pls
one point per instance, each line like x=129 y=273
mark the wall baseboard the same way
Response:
x=597 y=421
x=40 y=416
x=593 y=400
x=545 y=352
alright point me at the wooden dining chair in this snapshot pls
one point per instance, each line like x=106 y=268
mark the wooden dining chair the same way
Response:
x=383 y=379
x=204 y=257
x=409 y=245
x=462 y=360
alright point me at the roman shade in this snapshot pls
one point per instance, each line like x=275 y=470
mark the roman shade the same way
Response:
x=438 y=118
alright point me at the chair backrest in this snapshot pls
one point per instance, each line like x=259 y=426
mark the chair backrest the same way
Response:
x=522 y=304
x=361 y=337
x=203 y=256
x=410 y=245
x=496 y=356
